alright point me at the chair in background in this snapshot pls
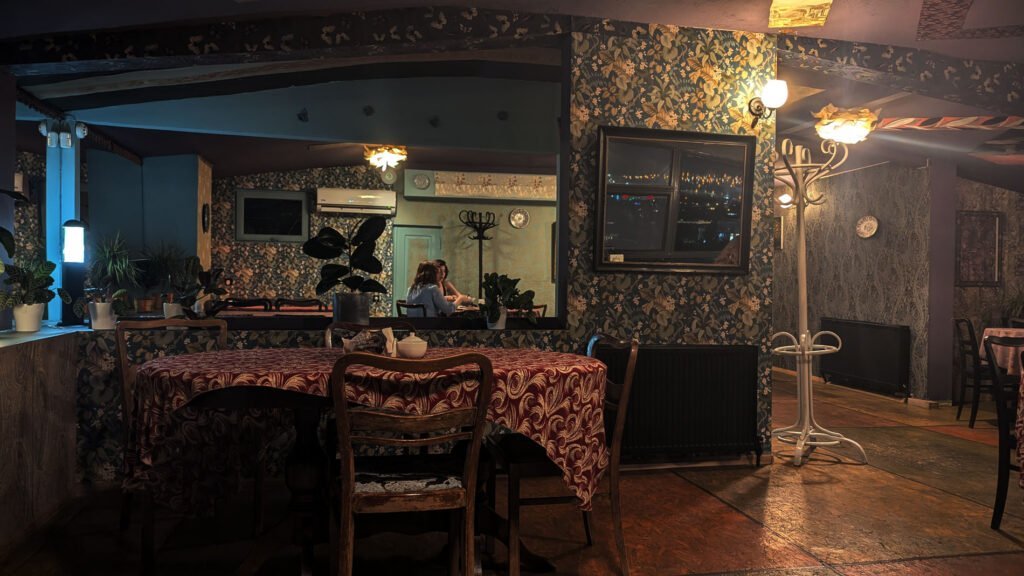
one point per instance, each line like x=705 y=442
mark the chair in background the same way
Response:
x=523 y=458
x=385 y=484
x=354 y=329
x=308 y=303
x=973 y=373
x=403 y=309
x=1005 y=389
x=130 y=450
x=1016 y=322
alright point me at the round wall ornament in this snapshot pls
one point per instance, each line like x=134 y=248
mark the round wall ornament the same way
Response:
x=867 y=226
x=421 y=181
x=519 y=218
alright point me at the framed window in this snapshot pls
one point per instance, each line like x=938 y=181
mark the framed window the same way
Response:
x=979 y=248
x=674 y=201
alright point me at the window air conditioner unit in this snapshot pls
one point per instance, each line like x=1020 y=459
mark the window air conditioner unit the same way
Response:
x=356 y=202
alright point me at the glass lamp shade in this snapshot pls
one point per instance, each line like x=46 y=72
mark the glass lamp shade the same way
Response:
x=848 y=126
x=74 y=241
x=774 y=94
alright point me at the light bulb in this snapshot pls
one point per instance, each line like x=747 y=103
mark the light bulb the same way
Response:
x=785 y=199
x=774 y=94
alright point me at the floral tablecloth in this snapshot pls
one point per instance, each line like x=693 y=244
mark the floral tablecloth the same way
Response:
x=555 y=399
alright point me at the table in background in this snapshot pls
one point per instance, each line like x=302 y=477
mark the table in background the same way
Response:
x=1008 y=358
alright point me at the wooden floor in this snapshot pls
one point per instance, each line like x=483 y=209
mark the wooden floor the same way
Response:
x=921 y=506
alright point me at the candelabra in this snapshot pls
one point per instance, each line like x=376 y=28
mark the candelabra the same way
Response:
x=479 y=223
x=798 y=172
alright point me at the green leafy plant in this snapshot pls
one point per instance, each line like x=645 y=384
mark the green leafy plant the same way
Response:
x=31 y=283
x=1012 y=305
x=192 y=284
x=111 y=274
x=500 y=291
x=161 y=266
x=329 y=244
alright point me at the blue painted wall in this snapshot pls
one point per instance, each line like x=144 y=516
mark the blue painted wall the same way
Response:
x=169 y=201
x=115 y=199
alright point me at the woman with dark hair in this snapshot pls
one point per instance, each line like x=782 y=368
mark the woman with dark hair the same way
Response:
x=426 y=290
x=451 y=294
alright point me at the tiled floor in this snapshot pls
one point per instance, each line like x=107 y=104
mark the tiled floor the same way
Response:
x=921 y=506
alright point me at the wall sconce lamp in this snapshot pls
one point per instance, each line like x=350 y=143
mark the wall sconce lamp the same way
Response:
x=60 y=132
x=773 y=96
x=74 y=242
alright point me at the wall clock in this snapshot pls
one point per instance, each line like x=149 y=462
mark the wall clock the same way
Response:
x=389 y=176
x=867 y=226
x=206 y=217
x=519 y=218
x=421 y=181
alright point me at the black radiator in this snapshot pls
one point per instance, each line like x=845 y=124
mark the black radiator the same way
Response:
x=874 y=357
x=689 y=403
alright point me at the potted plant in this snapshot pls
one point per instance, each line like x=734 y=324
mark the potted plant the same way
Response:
x=111 y=273
x=1012 y=306
x=30 y=290
x=329 y=244
x=501 y=294
x=160 y=266
x=194 y=290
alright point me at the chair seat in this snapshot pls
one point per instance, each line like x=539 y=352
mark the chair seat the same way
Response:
x=406 y=474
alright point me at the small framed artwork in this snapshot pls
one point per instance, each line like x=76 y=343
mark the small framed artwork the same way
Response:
x=979 y=248
x=778 y=232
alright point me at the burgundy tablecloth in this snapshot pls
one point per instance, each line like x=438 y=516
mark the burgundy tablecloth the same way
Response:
x=1008 y=358
x=555 y=399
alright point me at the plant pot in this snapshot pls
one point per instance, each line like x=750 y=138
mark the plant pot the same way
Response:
x=173 y=310
x=28 y=317
x=101 y=315
x=499 y=324
x=352 y=307
x=147 y=304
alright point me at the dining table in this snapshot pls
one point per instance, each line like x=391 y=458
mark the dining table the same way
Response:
x=1010 y=358
x=555 y=399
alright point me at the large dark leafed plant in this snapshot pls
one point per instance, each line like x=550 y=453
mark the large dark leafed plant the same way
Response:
x=500 y=291
x=329 y=244
x=31 y=283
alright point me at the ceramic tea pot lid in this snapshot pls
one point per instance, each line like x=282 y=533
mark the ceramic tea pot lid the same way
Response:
x=412 y=338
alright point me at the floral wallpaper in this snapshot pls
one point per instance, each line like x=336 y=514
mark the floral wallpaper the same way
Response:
x=622 y=74
x=28 y=231
x=280 y=269
x=879 y=279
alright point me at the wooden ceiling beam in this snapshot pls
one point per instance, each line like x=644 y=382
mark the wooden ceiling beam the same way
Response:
x=97 y=137
x=356 y=34
x=994 y=86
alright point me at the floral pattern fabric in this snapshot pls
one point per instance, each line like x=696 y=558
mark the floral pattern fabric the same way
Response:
x=555 y=399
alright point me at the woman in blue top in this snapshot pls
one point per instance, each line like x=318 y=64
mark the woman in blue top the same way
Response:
x=426 y=290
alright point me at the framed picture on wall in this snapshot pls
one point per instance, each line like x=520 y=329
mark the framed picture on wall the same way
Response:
x=672 y=201
x=979 y=248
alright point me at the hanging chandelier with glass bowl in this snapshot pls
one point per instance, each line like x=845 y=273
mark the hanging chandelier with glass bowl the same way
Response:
x=385 y=157
x=845 y=125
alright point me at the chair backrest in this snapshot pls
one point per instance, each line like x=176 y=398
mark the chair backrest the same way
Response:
x=380 y=427
x=311 y=303
x=128 y=369
x=1003 y=384
x=1016 y=322
x=967 y=346
x=617 y=392
x=353 y=328
x=403 y=309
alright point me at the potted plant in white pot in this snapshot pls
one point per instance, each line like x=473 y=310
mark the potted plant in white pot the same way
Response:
x=329 y=244
x=195 y=291
x=502 y=294
x=111 y=273
x=30 y=290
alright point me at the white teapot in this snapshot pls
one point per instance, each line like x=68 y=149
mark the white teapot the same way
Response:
x=412 y=346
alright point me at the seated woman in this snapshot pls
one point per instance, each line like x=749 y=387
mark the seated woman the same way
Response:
x=449 y=291
x=426 y=290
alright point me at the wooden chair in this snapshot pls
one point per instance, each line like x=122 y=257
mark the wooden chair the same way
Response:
x=1005 y=389
x=403 y=309
x=523 y=458
x=357 y=328
x=311 y=303
x=128 y=375
x=385 y=484
x=973 y=373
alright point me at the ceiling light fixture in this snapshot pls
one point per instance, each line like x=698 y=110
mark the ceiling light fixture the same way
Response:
x=384 y=157
x=773 y=96
x=845 y=125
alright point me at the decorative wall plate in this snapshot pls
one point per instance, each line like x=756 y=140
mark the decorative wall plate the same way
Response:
x=519 y=218
x=389 y=176
x=867 y=226
x=421 y=181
